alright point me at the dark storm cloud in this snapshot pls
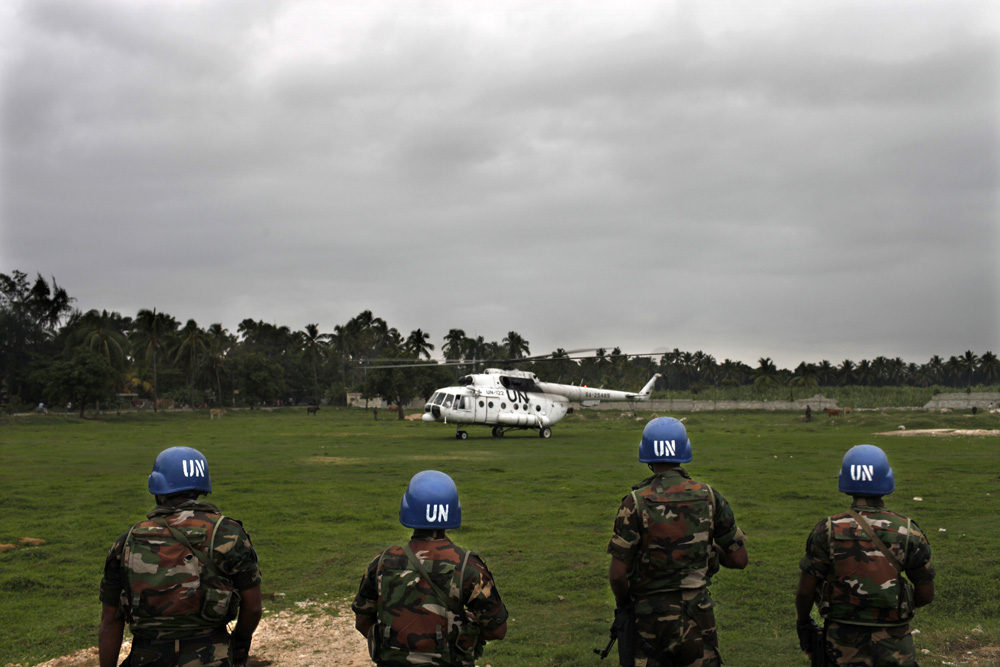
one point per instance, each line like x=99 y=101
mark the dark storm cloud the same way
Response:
x=788 y=181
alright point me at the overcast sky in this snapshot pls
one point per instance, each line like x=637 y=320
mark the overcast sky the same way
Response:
x=795 y=180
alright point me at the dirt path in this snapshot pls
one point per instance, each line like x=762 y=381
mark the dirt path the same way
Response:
x=942 y=431
x=307 y=637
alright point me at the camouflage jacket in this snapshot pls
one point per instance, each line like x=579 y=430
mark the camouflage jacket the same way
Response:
x=414 y=626
x=859 y=586
x=667 y=530
x=161 y=589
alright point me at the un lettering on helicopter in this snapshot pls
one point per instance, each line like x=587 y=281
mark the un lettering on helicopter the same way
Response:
x=509 y=400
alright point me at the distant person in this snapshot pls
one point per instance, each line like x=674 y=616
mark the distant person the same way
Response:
x=375 y=412
x=429 y=601
x=180 y=576
x=809 y=413
x=853 y=570
x=670 y=537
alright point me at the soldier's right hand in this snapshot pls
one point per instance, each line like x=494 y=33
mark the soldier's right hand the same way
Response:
x=240 y=650
x=809 y=633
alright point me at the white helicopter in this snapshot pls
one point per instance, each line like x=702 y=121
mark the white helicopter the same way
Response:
x=515 y=400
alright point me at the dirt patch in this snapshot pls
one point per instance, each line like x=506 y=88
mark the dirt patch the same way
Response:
x=464 y=456
x=336 y=460
x=982 y=656
x=309 y=636
x=942 y=431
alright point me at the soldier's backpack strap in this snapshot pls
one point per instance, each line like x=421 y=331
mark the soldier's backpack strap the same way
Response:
x=455 y=605
x=182 y=538
x=711 y=512
x=865 y=526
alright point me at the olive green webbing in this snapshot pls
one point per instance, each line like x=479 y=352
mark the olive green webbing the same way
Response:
x=180 y=537
x=865 y=526
x=456 y=605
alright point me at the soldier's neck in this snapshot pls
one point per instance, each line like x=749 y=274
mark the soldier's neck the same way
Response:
x=873 y=502
x=424 y=535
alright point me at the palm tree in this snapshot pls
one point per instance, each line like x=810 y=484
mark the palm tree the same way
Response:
x=969 y=362
x=845 y=373
x=731 y=373
x=314 y=346
x=476 y=351
x=190 y=346
x=953 y=369
x=151 y=334
x=218 y=344
x=418 y=343
x=514 y=346
x=103 y=332
x=766 y=375
x=935 y=369
x=826 y=374
x=989 y=367
x=454 y=345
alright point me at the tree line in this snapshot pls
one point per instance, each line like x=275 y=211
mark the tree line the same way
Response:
x=53 y=353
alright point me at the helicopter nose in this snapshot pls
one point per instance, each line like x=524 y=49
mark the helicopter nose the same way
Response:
x=428 y=417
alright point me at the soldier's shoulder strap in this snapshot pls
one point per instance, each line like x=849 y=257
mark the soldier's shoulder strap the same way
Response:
x=205 y=559
x=865 y=526
x=418 y=566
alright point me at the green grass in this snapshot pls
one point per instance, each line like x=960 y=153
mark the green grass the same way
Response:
x=320 y=497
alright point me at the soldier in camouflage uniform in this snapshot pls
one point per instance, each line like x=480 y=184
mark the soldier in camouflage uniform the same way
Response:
x=858 y=585
x=443 y=622
x=180 y=576
x=671 y=535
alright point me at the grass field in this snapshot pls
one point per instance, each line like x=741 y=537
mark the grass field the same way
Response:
x=320 y=495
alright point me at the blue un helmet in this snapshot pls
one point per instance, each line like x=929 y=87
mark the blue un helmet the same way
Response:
x=179 y=469
x=431 y=502
x=866 y=472
x=665 y=440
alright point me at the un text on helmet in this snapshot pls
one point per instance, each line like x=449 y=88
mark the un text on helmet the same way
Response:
x=193 y=468
x=436 y=513
x=862 y=473
x=665 y=447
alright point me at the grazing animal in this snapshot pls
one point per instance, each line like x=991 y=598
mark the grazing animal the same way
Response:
x=830 y=412
x=901 y=428
x=31 y=541
x=213 y=413
x=312 y=409
x=848 y=411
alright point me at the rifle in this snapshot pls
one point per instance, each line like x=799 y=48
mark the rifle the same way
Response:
x=812 y=640
x=622 y=631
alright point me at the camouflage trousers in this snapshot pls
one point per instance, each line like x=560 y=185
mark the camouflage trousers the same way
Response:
x=677 y=629
x=204 y=651
x=865 y=646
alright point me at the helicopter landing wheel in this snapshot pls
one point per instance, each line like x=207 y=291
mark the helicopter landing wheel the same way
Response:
x=545 y=432
x=498 y=431
x=462 y=435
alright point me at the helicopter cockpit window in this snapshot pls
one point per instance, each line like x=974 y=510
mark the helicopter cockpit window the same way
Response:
x=436 y=398
x=447 y=401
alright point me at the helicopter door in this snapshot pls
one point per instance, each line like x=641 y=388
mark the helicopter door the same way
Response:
x=486 y=409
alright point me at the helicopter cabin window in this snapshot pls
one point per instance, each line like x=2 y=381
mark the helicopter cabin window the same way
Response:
x=503 y=406
x=514 y=406
x=481 y=404
x=538 y=408
x=525 y=406
x=447 y=401
x=459 y=403
x=491 y=404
